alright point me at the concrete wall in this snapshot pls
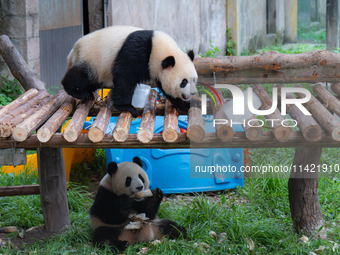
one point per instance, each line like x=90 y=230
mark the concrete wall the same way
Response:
x=20 y=21
x=191 y=23
x=253 y=24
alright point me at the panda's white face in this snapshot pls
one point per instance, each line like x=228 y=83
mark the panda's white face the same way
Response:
x=179 y=78
x=129 y=178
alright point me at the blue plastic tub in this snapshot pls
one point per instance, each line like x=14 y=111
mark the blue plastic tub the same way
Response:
x=183 y=170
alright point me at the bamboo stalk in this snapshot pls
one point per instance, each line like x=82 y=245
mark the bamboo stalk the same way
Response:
x=76 y=124
x=122 y=128
x=147 y=125
x=25 y=129
x=170 y=127
x=308 y=126
x=23 y=112
x=99 y=126
x=45 y=133
x=330 y=101
x=322 y=116
x=281 y=133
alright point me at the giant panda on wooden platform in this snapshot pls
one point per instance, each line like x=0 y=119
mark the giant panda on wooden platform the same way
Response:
x=120 y=57
x=114 y=204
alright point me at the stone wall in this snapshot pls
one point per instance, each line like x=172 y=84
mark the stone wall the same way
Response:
x=20 y=21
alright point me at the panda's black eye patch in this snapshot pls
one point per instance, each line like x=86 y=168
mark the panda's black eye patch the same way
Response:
x=141 y=177
x=128 y=181
x=184 y=83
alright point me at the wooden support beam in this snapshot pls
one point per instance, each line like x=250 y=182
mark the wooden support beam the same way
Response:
x=253 y=130
x=75 y=126
x=170 y=127
x=195 y=129
x=52 y=178
x=23 y=112
x=326 y=120
x=303 y=193
x=308 y=126
x=22 y=190
x=26 y=128
x=45 y=133
x=18 y=102
x=122 y=128
x=336 y=88
x=147 y=125
x=18 y=66
x=330 y=101
x=281 y=133
x=99 y=125
x=210 y=141
x=224 y=130
x=270 y=67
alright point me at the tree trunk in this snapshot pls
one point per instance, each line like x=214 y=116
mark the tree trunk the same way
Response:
x=53 y=194
x=303 y=193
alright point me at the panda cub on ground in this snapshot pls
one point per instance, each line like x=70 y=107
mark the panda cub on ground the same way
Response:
x=120 y=57
x=109 y=214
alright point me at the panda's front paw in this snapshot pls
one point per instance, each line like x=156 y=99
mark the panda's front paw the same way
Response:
x=128 y=108
x=157 y=194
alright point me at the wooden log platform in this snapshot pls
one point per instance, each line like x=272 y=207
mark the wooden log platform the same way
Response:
x=322 y=132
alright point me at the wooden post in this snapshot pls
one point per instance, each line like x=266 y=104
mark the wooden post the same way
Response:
x=18 y=65
x=147 y=125
x=122 y=128
x=170 y=133
x=53 y=194
x=332 y=25
x=303 y=192
x=281 y=133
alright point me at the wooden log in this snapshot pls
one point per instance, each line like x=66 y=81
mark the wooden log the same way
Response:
x=18 y=102
x=210 y=141
x=281 y=133
x=308 y=126
x=75 y=126
x=147 y=125
x=170 y=127
x=252 y=129
x=303 y=193
x=18 y=66
x=23 y=112
x=122 y=128
x=330 y=101
x=25 y=129
x=322 y=116
x=21 y=190
x=224 y=130
x=336 y=88
x=45 y=133
x=53 y=196
x=99 y=126
x=270 y=67
x=195 y=129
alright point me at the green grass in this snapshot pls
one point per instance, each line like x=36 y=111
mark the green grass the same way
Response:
x=259 y=211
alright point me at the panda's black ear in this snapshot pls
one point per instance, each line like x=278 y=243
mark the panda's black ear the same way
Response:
x=138 y=161
x=191 y=55
x=169 y=61
x=112 y=168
